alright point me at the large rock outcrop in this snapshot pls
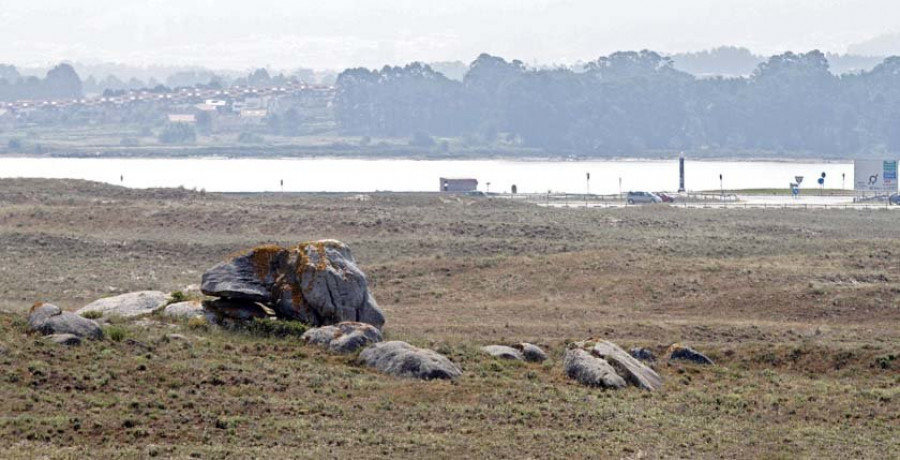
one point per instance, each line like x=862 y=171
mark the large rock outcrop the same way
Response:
x=317 y=283
x=404 y=360
x=49 y=319
x=127 y=305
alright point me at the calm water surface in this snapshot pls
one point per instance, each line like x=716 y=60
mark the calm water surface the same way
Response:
x=353 y=175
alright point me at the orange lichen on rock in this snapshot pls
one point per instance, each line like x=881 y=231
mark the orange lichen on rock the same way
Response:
x=296 y=296
x=323 y=257
x=262 y=257
x=36 y=306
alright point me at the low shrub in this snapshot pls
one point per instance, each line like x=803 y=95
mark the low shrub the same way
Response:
x=273 y=328
x=116 y=333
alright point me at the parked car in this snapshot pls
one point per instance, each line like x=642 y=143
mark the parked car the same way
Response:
x=666 y=198
x=642 y=198
x=894 y=199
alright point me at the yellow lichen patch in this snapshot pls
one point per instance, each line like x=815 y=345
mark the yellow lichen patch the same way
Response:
x=320 y=247
x=323 y=257
x=261 y=259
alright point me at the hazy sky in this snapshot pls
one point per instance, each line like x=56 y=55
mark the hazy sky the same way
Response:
x=240 y=34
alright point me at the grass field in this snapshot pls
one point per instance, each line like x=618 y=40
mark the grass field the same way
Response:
x=799 y=309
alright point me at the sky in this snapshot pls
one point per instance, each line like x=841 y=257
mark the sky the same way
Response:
x=336 y=34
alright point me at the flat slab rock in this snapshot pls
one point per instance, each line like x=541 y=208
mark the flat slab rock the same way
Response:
x=64 y=339
x=49 y=319
x=219 y=311
x=404 y=360
x=634 y=371
x=346 y=337
x=590 y=370
x=503 y=352
x=317 y=283
x=127 y=305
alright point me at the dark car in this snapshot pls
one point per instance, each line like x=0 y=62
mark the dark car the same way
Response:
x=894 y=199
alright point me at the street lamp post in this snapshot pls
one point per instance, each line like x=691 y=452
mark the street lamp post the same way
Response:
x=722 y=186
x=588 y=189
x=489 y=188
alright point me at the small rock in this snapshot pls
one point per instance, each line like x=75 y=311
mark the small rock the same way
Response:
x=678 y=352
x=590 y=370
x=503 y=352
x=642 y=354
x=346 y=337
x=404 y=360
x=64 y=339
x=184 y=310
x=192 y=290
x=532 y=353
x=49 y=319
x=634 y=371
x=127 y=305
x=177 y=337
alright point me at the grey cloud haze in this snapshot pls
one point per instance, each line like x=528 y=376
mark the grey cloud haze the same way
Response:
x=341 y=33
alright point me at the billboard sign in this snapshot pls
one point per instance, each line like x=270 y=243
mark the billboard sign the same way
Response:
x=875 y=175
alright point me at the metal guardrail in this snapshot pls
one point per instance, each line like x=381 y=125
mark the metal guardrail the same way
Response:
x=690 y=200
x=584 y=198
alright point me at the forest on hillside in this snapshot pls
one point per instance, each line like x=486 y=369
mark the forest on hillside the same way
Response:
x=633 y=102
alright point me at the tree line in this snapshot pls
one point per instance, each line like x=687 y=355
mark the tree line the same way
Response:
x=633 y=102
x=61 y=82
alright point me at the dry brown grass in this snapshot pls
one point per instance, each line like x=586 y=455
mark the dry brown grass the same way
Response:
x=800 y=309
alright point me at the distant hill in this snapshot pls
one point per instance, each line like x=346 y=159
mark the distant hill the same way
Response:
x=726 y=61
x=730 y=61
x=882 y=45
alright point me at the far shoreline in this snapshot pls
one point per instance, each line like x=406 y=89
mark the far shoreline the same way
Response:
x=430 y=157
